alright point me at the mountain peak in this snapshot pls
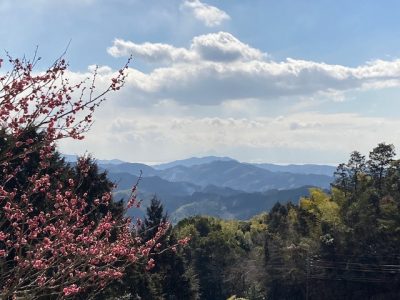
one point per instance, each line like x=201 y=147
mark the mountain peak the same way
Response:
x=192 y=161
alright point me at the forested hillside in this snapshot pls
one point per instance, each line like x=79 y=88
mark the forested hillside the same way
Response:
x=226 y=173
x=342 y=244
x=215 y=186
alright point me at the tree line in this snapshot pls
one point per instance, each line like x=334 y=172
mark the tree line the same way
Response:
x=337 y=244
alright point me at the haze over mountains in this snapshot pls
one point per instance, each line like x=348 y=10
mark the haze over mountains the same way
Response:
x=217 y=186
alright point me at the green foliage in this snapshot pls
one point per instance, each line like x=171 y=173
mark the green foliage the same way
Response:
x=342 y=244
x=170 y=278
x=338 y=245
x=225 y=255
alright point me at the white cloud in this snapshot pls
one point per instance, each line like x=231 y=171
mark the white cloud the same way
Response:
x=102 y=70
x=221 y=46
x=211 y=16
x=331 y=136
x=298 y=131
x=214 y=96
x=211 y=83
x=218 y=67
x=152 y=52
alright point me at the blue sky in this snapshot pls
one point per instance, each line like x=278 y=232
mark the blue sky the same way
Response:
x=273 y=81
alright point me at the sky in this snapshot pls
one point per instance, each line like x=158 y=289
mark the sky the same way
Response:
x=305 y=81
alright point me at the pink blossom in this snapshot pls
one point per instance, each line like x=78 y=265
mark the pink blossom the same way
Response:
x=71 y=290
x=150 y=264
x=62 y=241
x=184 y=241
x=3 y=235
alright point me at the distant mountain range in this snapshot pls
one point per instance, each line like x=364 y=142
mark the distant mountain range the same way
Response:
x=182 y=199
x=189 y=162
x=300 y=169
x=291 y=168
x=73 y=158
x=217 y=186
x=225 y=173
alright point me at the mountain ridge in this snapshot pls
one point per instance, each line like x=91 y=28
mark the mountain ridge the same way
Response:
x=318 y=169
x=221 y=187
x=188 y=162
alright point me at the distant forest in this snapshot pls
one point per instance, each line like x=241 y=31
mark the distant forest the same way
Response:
x=338 y=245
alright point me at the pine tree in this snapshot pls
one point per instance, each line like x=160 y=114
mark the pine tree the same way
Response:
x=154 y=217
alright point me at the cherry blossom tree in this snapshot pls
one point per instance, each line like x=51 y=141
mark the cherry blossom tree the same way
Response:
x=50 y=244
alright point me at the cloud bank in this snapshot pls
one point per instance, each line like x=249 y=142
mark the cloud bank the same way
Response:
x=215 y=96
x=293 y=138
x=218 y=67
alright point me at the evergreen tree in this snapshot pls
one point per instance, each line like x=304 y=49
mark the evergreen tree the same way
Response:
x=155 y=216
x=170 y=278
x=380 y=159
x=356 y=166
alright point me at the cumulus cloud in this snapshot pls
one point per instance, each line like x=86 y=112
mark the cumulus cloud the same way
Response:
x=207 y=98
x=221 y=46
x=218 y=67
x=211 y=16
x=152 y=52
x=211 y=83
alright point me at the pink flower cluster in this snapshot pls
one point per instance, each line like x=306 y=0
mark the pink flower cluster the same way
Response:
x=71 y=290
x=55 y=246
